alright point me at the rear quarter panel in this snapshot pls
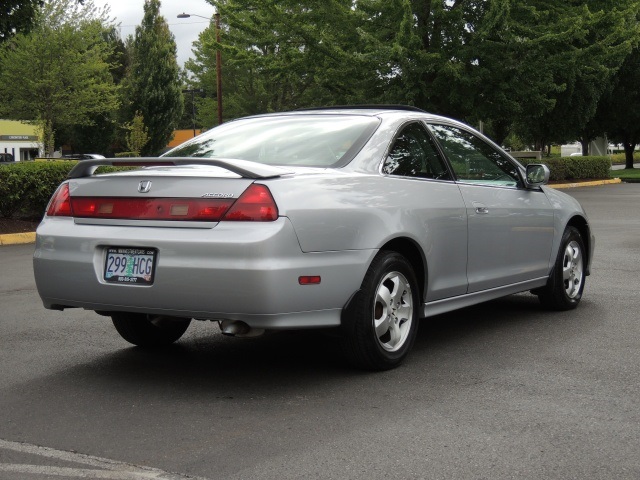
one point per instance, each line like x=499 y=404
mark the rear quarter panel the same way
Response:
x=350 y=211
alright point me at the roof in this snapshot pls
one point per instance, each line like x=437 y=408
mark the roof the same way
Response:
x=375 y=107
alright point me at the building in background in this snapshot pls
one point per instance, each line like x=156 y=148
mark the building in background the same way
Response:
x=19 y=140
x=181 y=136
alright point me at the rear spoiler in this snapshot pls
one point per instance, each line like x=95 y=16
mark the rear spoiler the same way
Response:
x=244 y=168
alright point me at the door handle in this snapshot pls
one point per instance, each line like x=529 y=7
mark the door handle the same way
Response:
x=481 y=209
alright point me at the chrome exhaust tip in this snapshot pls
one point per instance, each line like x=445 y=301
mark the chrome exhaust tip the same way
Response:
x=236 y=328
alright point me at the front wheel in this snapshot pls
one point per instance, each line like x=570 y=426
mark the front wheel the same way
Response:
x=149 y=330
x=566 y=282
x=381 y=322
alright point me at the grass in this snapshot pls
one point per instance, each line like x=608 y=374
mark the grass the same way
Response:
x=627 y=174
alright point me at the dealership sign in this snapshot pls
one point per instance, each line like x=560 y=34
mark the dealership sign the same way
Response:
x=32 y=138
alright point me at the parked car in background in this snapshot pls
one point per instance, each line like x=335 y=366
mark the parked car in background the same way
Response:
x=362 y=220
x=82 y=156
x=6 y=158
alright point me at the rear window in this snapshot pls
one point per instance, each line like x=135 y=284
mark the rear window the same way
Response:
x=309 y=140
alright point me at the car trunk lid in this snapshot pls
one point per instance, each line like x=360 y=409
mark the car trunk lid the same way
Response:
x=174 y=192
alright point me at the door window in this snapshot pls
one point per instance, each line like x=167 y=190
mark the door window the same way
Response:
x=474 y=160
x=414 y=154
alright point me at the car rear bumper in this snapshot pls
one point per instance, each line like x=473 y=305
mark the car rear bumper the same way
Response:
x=235 y=271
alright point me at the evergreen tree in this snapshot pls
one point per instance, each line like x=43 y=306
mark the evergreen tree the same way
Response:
x=153 y=81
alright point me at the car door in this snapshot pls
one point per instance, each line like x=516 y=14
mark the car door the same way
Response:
x=510 y=227
x=434 y=207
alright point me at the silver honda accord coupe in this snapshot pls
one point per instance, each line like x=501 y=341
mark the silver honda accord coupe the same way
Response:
x=359 y=219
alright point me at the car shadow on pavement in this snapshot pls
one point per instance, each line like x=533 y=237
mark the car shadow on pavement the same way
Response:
x=297 y=372
x=205 y=360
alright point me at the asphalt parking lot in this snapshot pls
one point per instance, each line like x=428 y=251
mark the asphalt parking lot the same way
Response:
x=502 y=390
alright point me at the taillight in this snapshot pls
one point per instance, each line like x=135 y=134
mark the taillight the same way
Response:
x=255 y=205
x=134 y=208
x=60 y=203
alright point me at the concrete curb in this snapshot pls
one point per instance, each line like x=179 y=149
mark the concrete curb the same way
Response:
x=593 y=183
x=17 y=238
x=30 y=237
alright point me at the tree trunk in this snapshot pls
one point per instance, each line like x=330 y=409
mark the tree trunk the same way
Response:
x=585 y=147
x=628 y=153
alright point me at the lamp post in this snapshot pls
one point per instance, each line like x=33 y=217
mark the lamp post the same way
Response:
x=193 y=91
x=216 y=17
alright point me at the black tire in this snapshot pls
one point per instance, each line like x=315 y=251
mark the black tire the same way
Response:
x=389 y=275
x=566 y=282
x=149 y=330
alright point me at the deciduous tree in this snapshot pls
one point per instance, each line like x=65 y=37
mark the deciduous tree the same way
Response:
x=58 y=74
x=540 y=65
x=17 y=16
x=619 y=109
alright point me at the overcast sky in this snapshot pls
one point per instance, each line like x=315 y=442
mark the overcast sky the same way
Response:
x=128 y=13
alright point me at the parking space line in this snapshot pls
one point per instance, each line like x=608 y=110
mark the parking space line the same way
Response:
x=103 y=467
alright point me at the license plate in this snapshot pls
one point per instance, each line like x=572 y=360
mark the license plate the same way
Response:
x=129 y=265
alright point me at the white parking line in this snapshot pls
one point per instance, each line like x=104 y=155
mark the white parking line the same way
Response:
x=103 y=467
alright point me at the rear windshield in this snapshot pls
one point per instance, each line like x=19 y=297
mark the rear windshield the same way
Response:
x=309 y=140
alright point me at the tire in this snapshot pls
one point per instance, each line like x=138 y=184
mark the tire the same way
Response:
x=566 y=282
x=381 y=322
x=149 y=330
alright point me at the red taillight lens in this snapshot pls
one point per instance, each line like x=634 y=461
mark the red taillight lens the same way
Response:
x=180 y=209
x=60 y=204
x=255 y=205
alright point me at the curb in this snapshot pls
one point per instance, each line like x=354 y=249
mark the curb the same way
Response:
x=593 y=183
x=30 y=237
x=17 y=238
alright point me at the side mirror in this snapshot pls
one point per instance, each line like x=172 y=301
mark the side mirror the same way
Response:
x=537 y=174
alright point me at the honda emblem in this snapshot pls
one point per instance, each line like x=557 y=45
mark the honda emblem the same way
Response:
x=144 y=186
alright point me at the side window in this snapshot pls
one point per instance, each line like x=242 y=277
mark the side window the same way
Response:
x=473 y=160
x=414 y=154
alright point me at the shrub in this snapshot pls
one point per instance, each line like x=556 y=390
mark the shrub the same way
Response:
x=574 y=168
x=26 y=187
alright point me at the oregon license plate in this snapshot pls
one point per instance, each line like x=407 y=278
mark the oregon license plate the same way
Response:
x=130 y=265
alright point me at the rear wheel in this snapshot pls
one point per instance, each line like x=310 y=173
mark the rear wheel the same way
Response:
x=381 y=322
x=566 y=282
x=149 y=330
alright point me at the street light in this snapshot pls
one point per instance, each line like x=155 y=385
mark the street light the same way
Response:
x=193 y=91
x=216 y=16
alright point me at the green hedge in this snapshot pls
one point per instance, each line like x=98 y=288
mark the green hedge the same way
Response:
x=574 y=168
x=26 y=187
